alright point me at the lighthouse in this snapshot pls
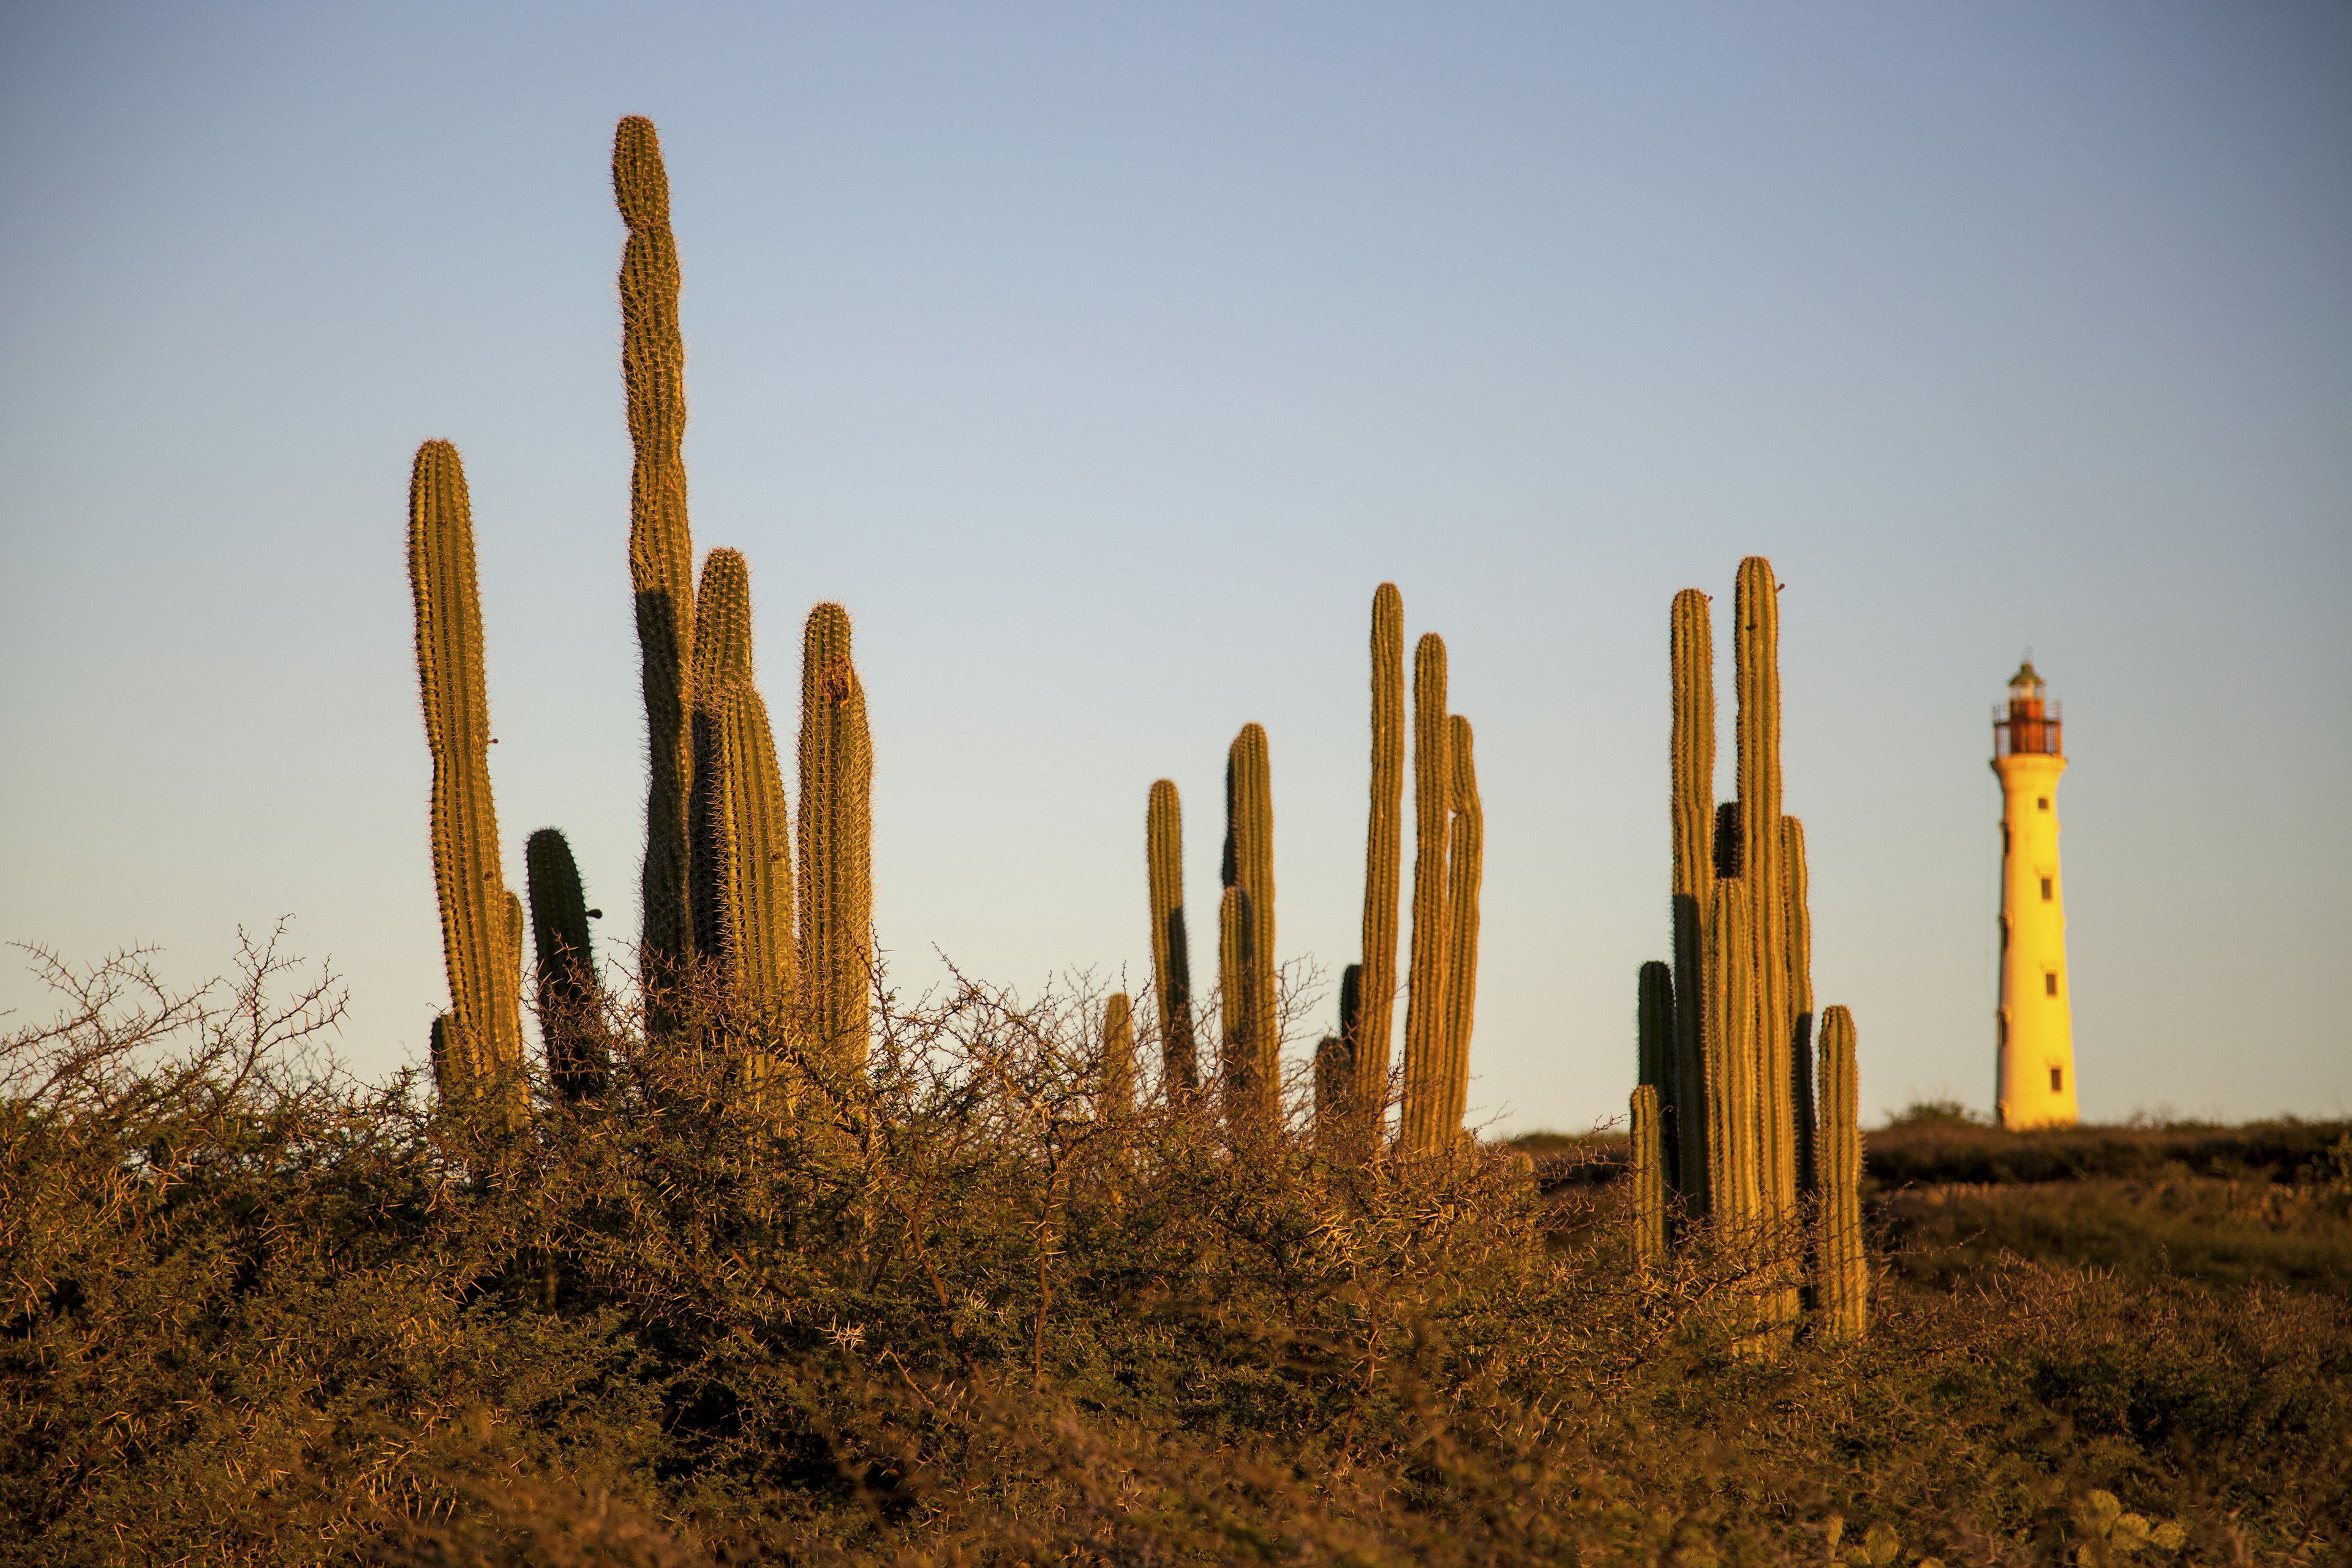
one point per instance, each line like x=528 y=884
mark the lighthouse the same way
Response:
x=2033 y=1032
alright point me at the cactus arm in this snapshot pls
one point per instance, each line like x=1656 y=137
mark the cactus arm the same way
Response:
x=661 y=549
x=1844 y=1278
x=1335 y=1092
x=1465 y=866
x=1691 y=755
x=1420 y=1124
x=1383 y=853
x=1171 y=965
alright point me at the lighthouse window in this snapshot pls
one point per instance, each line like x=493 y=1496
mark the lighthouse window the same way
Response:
x=2004 y=840
x=2000 y=1029
x=2004 y=934
x=2050 y=983
x=2042 y=803
x=2057 y=1080
x=2045 y=889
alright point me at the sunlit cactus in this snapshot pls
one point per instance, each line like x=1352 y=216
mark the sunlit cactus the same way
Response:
x=1116 y=1098
x=1172 y=964
x=1843 y=1278
x=1691 y=808
x=1465 y=867
x=1734 y=1123
x=661 y=549
x=1422 y=1127
x=1247 y=1091
x=1647 y=1158
x=481 y=1037
x=836 y=888
x=1757 y=672
x=1369 y=1027
x=1249 y=870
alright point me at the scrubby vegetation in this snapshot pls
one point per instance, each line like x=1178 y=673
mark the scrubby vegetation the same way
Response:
x=260 y=1313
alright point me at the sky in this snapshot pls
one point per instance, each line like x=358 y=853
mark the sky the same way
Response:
x=1103 y=360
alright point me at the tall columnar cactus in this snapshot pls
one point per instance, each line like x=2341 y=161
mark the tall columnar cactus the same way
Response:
x=836 y=888
x=1734 y=1120
x=1118 y=1097
x=1654 y=1036
x=1801 y=996
x=1465 y=866
x=1422 y=1124
x=661 y=551
x=1248 y=1092
x=1249 y=870
x=571 y=1002
x=1383 y=851
x=1692 y=812
x=1844 y=1278
x=1172 y=963
x=481 y=1037
x=1336 y=1131
x=1758 y=671
x=722 y=622
x=1648 y=1173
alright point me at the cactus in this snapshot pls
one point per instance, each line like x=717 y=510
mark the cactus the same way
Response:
x=1421 y=1125
x=1734 y=1123
x=1335 y=1094
x=836 y=888
x=1692 y=810
x=1654 y=1038
x=1843 y=1277
x=1465 y=864
x=1118 y=1097
x=722 y=622
x=1649 y=1172
x=481 y=1036
x=1249 y=869
x=661 y=549
x=1369 y=1026
x=1248 y=1095
x=1757 y=609
x=570 y=1004
x=1800 y=996
x=1172 y=964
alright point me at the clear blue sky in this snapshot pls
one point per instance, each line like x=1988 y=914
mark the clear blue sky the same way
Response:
x=1102 y=359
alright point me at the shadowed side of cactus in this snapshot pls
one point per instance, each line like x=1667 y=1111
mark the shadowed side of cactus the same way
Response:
x=1733 y=1119
x=1422 y=1124
x=1247 y=1095
x=1800 y=950
x=1338 y=1129
x=482 y=1036
x=1757 y=660
x=1172 y=964
x=1249 y=865
x=1692 y=810
x=1728 y=858
x=1383 y=854
x=1843 y=1277
x=836 y=888
x=1465 y=866
x=1654 y=1023
x=571 y=1002
x=661 y=549
x=1649 y=1172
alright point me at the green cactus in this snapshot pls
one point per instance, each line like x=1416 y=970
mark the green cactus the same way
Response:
x=1648 y=1173
x=1374 y=1015
x=1249 y=869
x=1757 y=671
x=1465 y=866
x=1734 y=1123
x=1172 y=964
x=481 y=1037
x=1118 y=1097
x=1692 y=810
x=1422 y=1124
x=570 y=1004
x=1654 y=1038
x=661 y=549
x=836 y=888
x=1843 y=1278
x=1248 y=1093
x=1801 y=996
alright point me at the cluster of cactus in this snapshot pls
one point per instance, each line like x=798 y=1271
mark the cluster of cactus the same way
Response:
x=719 y=873
x=1729 y=1132
x=1351 y=1066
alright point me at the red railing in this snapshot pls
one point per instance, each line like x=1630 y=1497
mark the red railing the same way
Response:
x=2024 y=729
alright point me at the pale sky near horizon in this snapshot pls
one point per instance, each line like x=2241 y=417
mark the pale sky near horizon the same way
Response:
x=1102 y=360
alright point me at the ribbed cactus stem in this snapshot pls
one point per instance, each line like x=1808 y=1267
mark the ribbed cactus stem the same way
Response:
x=1383 y=854
x=1336 y=1131
x=743 y=850
x=661 y=551
x=1249 y=866
x=1691 y=810
x=1465 y=866
x=1118 y=1098
x=1800 y=997
x=1422 y=1124
x=836 y=888
x=1733 y=1116
x=1247 y=1094
x=480 y=936
x=1172 y=964
x=1844 y=1280
x=1648 y=1173
x=1653 y=1018
x=722 y=622
x=1757 y=611
x=571 y=1002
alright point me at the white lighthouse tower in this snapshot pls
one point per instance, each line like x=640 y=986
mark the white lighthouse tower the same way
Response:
x=2035 y=1030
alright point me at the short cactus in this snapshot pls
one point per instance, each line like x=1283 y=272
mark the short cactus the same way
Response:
x=836 y=888
x=1799 y=952
x=1421 y=1125
x=1249 y=870
x=1465 y=866
x=481 y=936
x=1171 y=965
x=1649 y=1172
x=1655 y=1034
x=1372 y=1019
x=570 y=1004
x=1843 y=1274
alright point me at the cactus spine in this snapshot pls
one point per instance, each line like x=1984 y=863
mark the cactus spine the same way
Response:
x=1800 y=996
x=1249 y=872
x=1649 y=1172
x=1844 y=1279
x=1172 y=964
x=1691 y=756
x=661 y=549
x=1369 y=1026
x=570 y=1004
x=481 y=1037
x=1422 y=1126
x=836 y=888
x=1758 y=671
x=1466 y=865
